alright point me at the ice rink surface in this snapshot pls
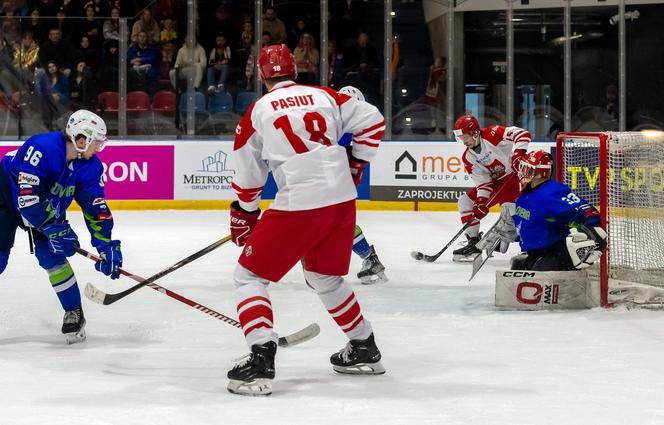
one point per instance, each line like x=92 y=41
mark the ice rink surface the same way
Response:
x=451 y=357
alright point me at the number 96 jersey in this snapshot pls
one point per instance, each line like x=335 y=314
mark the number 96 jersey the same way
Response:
x=293 y=131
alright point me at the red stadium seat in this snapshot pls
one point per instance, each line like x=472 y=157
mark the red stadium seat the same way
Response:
x=109 y=101
x=138 y=101
x=164 y=101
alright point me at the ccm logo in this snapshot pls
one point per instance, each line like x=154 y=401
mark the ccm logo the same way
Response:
x=532 y=293
x=518 y=274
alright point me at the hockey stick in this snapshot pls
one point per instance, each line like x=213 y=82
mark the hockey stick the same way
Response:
x=100 y=297
x=298 y=337
x=431 y=258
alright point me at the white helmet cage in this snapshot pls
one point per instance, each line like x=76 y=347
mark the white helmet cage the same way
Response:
x=88 y=125
x=352 y=92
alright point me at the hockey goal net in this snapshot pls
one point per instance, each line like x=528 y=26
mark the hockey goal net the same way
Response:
x=622 y=174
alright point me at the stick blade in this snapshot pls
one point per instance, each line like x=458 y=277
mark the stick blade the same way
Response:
x=300 y=336
x=94 y=294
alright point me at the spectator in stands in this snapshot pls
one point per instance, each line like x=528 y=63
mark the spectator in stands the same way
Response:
x=65 y=26
x=335 y=75
x=274 y=25
x=53 y=88
x=222 y=23
x=144 y=61
x=363 y=67
x=90 y=26
x=101 y=7
x=35 y=26
x=107 y=74
x=26 y=54
x=266 y=40
x=249 y=69
x=612 y=101
x=168 y=39
x=48 y=7
x=10 y=28
x=306 y=60
x=190 y=62
x=295 y=34
x=81 y=87
x=111 y=29
x=55 y=50
x=148 y=25
x=246 y=42
x=87 y=53
x=219 y=65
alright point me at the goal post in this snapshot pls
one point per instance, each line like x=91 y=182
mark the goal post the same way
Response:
x=622 y=174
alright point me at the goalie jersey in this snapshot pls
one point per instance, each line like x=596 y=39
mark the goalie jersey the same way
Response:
x=293 y=131
x=544 y=215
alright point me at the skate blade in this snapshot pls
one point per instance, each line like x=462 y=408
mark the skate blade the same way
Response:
x=465 y=258
x=255 y=388
x=374 y=278
x=361 y=369
x=75 y=337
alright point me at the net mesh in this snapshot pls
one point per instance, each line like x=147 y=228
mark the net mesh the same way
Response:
x=635 y=197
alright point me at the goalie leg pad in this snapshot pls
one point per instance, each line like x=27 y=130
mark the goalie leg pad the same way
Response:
x=536 y=290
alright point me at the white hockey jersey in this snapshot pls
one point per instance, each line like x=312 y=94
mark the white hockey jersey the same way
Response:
x=293 y=131
x=494 y=160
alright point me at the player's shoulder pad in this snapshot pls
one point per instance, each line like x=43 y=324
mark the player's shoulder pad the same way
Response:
x=52 y=147
x=493 y=134
x=92 y=169
x=244 y=128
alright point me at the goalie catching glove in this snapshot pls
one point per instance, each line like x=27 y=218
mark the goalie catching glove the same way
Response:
x=242 y=223
x=503 y=231
x=584 y=247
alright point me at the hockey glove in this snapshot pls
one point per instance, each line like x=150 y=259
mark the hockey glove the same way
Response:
x=111 y=259
x=517 y=156
x=61 y=238
x=582 y=250
x=357 y=167
x=503 y=233
x=242 y=223
x=597 y=234
x=480 y=208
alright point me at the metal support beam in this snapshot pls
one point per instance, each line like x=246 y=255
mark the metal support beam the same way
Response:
x=191 y=88
x=451 y=63
x=567 y=65
x=622 y=68
x=258 y=44
x=510 y=63
x=387 y=68
x=324 y=65
x=122 y=79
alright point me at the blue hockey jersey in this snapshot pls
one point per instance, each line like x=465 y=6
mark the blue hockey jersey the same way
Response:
x=44 y=185
x=544 y=215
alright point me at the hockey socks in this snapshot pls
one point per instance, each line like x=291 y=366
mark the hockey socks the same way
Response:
x=339 y=300
x=360 y=245
x=64 y=283
x=254 y=307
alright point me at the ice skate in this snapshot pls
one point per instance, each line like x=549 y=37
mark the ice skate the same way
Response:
x=467 y=253
x=253 y=375
x=358 y=357
x=373 y=271
x=73 y=326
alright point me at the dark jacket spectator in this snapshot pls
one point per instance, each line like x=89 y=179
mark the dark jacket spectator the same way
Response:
x=87 y=53
x=107 y=74
x=35 y=26
x=274 y=25
x=81 y=87
x=91 y=26
x=56 y=50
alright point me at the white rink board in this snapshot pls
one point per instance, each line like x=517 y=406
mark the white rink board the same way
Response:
x=451 y=357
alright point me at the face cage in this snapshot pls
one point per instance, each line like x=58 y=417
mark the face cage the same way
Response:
x=526 y=172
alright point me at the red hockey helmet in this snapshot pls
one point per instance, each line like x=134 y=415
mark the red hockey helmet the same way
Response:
x=535 y=164
x=466 y=124
x=276 y=61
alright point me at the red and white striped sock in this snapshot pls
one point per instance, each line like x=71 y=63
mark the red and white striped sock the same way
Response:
x=339 y=300
x=254 y=311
